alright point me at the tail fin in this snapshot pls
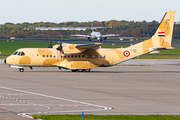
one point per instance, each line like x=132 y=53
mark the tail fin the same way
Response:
x=163 y=35
x=92 y=27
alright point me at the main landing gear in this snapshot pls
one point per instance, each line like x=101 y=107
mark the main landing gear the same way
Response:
x=81 y=70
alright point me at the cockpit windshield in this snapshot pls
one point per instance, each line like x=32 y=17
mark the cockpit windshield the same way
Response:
x=22 y=54
x=19 y=53
x=15 y=53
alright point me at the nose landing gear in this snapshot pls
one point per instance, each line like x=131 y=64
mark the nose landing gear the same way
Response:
x=21 y=69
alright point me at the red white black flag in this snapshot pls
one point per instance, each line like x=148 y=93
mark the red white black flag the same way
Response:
x=161 y=34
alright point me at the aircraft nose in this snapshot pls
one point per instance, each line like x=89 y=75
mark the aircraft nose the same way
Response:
x=5 y=61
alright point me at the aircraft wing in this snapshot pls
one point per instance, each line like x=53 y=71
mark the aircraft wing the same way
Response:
x=112 y=35
x=78 y=35
x=89 y=46
x=79 y=48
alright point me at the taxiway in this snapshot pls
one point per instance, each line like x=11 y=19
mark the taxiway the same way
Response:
x=123 y=89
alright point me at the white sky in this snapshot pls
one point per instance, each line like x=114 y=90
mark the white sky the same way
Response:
x=19 y=11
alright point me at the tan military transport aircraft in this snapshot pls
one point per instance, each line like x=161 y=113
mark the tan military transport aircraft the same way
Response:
x=83 y=57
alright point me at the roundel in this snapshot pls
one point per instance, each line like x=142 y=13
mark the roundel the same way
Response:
x=126 y=53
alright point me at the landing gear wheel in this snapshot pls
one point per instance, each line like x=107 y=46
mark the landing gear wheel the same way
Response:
x=80 y=70
x=21 y=69
x=73 y=70
x=87 y=70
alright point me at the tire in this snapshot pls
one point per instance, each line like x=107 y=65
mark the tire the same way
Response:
x=73 y=70
x=21 y=69
x=80 y=70
x=87 y=70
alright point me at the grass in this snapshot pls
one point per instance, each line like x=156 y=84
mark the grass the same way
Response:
x=108 y=117
x=2 y=57
x=7 y=48
x=113 y=46
x=158 y=57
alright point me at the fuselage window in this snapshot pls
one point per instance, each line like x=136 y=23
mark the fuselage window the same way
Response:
x=93 y=56
x=79 y=56
x=68 y=56
x=15 y=53
x=19 y=53
x=75 y=56
x=104 y=56
x=89 y=56
x=86 y=56
x=22 y=54
x=37 y=55
x=100 y=56
x=47 y=56
x=50 y=56
x=54 y=56
x=43 y=56
x=71 y=56
x=96 y=56
x=64 y=56
x=82 y=56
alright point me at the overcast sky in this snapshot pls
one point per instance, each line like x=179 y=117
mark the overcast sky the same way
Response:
x=19 y=11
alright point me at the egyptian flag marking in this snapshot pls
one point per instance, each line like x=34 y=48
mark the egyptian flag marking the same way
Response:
x=161 y=34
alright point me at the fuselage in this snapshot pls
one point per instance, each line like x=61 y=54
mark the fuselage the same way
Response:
x=96 y=35
x=51 y=57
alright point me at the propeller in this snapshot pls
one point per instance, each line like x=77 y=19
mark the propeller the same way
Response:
x=50 y=44
x=60 y=48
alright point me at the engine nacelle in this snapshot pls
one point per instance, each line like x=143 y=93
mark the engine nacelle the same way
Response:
x=88 y=38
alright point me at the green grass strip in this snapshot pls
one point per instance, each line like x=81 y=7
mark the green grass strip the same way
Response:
x=8 y=47
x=158 y=57
x=108 y=117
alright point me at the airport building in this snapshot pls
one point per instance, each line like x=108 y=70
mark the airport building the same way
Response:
x=177 y=22
x=65 y=28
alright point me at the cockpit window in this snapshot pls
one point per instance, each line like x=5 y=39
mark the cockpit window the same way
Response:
x=22 y=54
x=19 y=53
x=15 y=53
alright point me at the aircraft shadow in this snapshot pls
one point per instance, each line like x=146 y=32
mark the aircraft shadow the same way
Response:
x=135 y=71
x=143 y=72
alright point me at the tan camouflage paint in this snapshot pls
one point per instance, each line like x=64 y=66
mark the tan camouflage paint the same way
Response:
x=109 y=56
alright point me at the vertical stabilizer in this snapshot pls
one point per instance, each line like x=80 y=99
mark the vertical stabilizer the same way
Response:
x=163 y=35
x=92 y=27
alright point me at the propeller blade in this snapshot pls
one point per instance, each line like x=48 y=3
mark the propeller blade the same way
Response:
x=50 y=45
x=60 y=48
